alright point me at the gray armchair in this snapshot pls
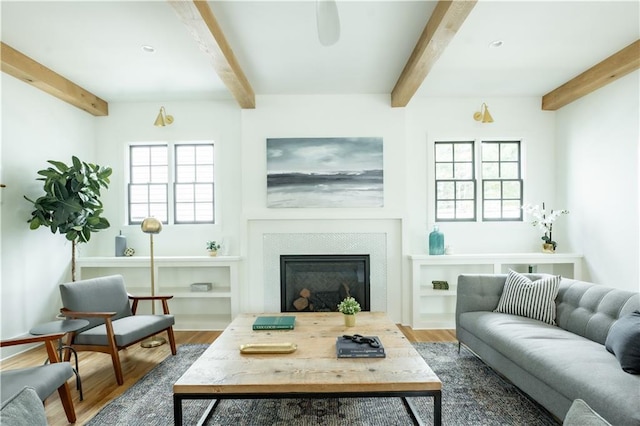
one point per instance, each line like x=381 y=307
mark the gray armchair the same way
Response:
x=113 y=323
x=44 y=379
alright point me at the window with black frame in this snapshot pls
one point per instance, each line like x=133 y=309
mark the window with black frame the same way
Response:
x=194 y=202
x=455 y=195
x=148 y=182
x=501 y=181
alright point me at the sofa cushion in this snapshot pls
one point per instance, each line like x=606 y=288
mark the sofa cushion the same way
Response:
x=589 y=310
x=101 y=294
x=126 y=330
x=23 y=408
x=623 y=341
x=580 y=414
x=45 y=379
x=532 y=299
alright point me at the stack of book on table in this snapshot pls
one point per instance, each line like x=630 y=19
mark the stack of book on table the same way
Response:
x=357 y=346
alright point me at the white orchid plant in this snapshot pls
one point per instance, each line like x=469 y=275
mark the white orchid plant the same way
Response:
x=543 y=220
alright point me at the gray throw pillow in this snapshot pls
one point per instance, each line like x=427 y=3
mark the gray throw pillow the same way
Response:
x=24 y=408
x=532 y=299
x=580 y=414
x=623 y=341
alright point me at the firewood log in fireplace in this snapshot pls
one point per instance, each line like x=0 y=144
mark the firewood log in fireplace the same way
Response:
x=302 y=303
x=325 y=301
x=321 y=301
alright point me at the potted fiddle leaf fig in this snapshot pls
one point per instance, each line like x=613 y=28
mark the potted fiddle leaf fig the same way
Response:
x=71 y=204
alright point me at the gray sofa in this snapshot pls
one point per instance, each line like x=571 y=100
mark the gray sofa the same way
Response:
x=554 y=364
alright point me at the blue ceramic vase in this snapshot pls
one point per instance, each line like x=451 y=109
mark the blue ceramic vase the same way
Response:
x=436 y=241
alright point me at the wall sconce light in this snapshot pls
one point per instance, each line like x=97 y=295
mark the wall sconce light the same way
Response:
x=163 y=119
x=483 y=115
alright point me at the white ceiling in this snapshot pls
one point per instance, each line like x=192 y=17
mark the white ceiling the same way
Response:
x=97 y=45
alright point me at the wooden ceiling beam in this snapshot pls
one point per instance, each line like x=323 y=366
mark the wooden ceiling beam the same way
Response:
x=26 y=69
x=615 y=66
x=204 y=27
x=445 y=21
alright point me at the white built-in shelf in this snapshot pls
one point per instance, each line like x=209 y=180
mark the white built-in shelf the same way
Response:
x=173 y=275
x=435 y=309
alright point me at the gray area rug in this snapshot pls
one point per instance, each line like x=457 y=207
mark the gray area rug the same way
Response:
x=472 y=395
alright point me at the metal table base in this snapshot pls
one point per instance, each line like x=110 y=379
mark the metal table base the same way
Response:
x=216 y=398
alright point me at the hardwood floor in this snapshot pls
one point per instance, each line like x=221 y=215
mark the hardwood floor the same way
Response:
x=428 y=335
x=99 y=383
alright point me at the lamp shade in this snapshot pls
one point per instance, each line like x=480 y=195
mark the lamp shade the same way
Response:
x=159 y=121
x=151 y=225
x=486 y=117
x=163 y=119
x=483 y=115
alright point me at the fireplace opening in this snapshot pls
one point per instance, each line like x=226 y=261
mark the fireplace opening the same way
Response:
x=317 y=283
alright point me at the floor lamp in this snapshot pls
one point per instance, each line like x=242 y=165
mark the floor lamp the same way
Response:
x=152 y=226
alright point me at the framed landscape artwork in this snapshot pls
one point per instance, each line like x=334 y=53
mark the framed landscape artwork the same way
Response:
x=325 y=172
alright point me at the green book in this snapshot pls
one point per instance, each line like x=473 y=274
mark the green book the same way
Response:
x=274 y=323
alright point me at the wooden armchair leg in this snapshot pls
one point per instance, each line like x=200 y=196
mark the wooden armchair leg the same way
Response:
x=66 y=353
x=67 y=402
x=172 y=340
x=113 y=350
x=117 y=367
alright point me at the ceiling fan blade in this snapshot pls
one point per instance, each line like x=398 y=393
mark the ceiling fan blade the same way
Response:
x=328 y=22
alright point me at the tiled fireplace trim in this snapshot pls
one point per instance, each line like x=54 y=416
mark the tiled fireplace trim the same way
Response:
x=373 y=244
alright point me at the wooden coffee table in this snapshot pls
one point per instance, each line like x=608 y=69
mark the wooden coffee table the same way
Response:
x=313 y=370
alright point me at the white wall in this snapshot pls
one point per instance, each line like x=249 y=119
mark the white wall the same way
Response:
x=598 y=133
x=407 y=134
x=431 y=119
x=597 y=141
x=36 y=127
x=323 y=116
x=194 y=121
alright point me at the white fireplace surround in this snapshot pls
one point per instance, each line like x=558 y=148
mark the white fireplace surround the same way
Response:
x=373 y=244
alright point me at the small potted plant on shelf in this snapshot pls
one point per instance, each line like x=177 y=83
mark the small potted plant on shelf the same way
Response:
x=349 y=308
x=213 y=247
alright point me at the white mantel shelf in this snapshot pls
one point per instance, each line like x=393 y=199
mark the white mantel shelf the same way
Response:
x=436 y=308
x=131 y=260
x=502 y=258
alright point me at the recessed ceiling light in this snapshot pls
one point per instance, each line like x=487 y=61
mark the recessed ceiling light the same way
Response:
x=495 y=44
x=148 y=49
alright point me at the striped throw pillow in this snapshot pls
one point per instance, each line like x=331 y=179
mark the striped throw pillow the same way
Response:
x=532 y=299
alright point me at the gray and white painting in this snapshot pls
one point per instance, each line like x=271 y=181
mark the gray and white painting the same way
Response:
x=324 y=172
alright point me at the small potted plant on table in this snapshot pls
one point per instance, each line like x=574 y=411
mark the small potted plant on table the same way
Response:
x=349 y=307
x=213 y=247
